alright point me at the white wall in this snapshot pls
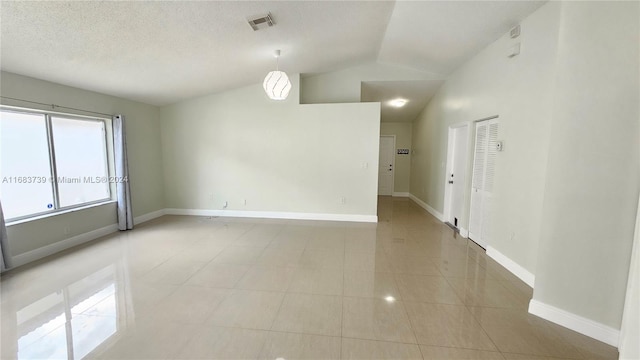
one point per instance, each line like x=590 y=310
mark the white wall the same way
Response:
x=519 y=91
x=402 y=171
x=278 y=156
x=344 y=86
x=593 y=177
x=568 y=179
x=145 y=165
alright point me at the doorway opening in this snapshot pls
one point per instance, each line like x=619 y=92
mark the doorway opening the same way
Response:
x=457 y=163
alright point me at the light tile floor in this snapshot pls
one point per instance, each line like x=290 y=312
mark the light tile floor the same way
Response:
x=223 y=288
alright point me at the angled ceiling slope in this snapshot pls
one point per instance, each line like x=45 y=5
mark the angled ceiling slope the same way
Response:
x=163 y=52
x=166 y=51
x=439 y=36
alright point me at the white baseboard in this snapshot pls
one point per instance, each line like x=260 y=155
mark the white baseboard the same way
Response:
x=425 y=206
x=575 y=322
x=464 y=233
x=517 y=270
x=274 y=215
x=149 y=216
x=400 y=194
x=51 y=249
x=65 y=244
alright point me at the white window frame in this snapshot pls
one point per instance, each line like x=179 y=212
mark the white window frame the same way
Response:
x=108 y=152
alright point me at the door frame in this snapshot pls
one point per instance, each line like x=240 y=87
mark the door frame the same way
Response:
x=393 y=164
x=449 y=168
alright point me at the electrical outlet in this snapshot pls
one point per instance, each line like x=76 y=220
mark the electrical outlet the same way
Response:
x=226 y=203
x=245 y=202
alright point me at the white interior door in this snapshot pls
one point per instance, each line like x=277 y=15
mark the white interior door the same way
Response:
x=484 y=165
x=456 y=175
x=385 y=168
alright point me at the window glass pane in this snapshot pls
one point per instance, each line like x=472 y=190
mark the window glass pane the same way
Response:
x=25 y=172
x=81 y=160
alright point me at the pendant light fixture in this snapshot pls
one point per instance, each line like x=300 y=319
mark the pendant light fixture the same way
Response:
x=276 y=84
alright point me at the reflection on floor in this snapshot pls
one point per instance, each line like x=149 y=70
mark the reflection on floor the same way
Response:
x=219 y=288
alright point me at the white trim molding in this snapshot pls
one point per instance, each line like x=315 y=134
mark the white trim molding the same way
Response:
x=400 y=194
x=575 y=322
x=65 y=244
x=274 y=215
x=464 y=232
x=517 y=270
x=438 y=215
x=149 y=216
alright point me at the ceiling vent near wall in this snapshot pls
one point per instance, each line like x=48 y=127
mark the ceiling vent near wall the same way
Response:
x=262 y=21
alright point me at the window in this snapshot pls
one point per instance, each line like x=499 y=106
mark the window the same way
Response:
x=51 y=162
x=80 y=152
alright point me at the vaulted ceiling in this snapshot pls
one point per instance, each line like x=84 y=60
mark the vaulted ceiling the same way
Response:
x=163 y=52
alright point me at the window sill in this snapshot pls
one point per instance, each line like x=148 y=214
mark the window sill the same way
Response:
x=62 y=212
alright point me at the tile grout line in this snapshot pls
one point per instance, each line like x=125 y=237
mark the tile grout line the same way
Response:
x=406 y=312
x=395 y=276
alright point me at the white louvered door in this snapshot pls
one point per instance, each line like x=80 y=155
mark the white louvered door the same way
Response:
x=482 y=184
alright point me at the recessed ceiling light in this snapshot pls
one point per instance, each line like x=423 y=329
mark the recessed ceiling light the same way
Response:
x=398 y=102
x=390 y=299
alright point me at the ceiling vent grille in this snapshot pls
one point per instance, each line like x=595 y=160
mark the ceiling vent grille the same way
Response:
x=262 y=21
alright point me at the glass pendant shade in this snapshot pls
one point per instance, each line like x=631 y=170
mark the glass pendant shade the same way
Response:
x=277 y=85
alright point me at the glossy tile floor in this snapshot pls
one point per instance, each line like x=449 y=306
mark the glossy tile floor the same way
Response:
x=222 y=288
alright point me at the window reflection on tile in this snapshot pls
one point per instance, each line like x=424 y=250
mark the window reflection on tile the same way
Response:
x=71 y=322
x=207 y=288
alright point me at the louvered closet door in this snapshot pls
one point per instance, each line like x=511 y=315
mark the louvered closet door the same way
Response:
x=484 y=165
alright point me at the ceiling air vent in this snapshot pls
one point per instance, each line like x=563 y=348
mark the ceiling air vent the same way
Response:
x=262 y=21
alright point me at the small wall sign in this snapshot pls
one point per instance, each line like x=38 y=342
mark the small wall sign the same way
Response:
x=403 y=151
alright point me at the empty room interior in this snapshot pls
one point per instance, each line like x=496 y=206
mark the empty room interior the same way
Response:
x=320 y=180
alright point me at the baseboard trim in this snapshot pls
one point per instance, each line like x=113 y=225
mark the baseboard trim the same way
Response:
x=575 y=322
x=425 y=206
x=400 y=194
x=58 y=246
x=274 y=215
x=517 y=270
x=149 y=216
x=464 y=233
x=65 y=244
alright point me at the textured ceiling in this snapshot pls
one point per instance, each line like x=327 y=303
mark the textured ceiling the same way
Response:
x=163 y=52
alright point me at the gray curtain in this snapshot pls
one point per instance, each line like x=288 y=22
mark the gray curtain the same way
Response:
x=4 y=249
x=123 y=190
